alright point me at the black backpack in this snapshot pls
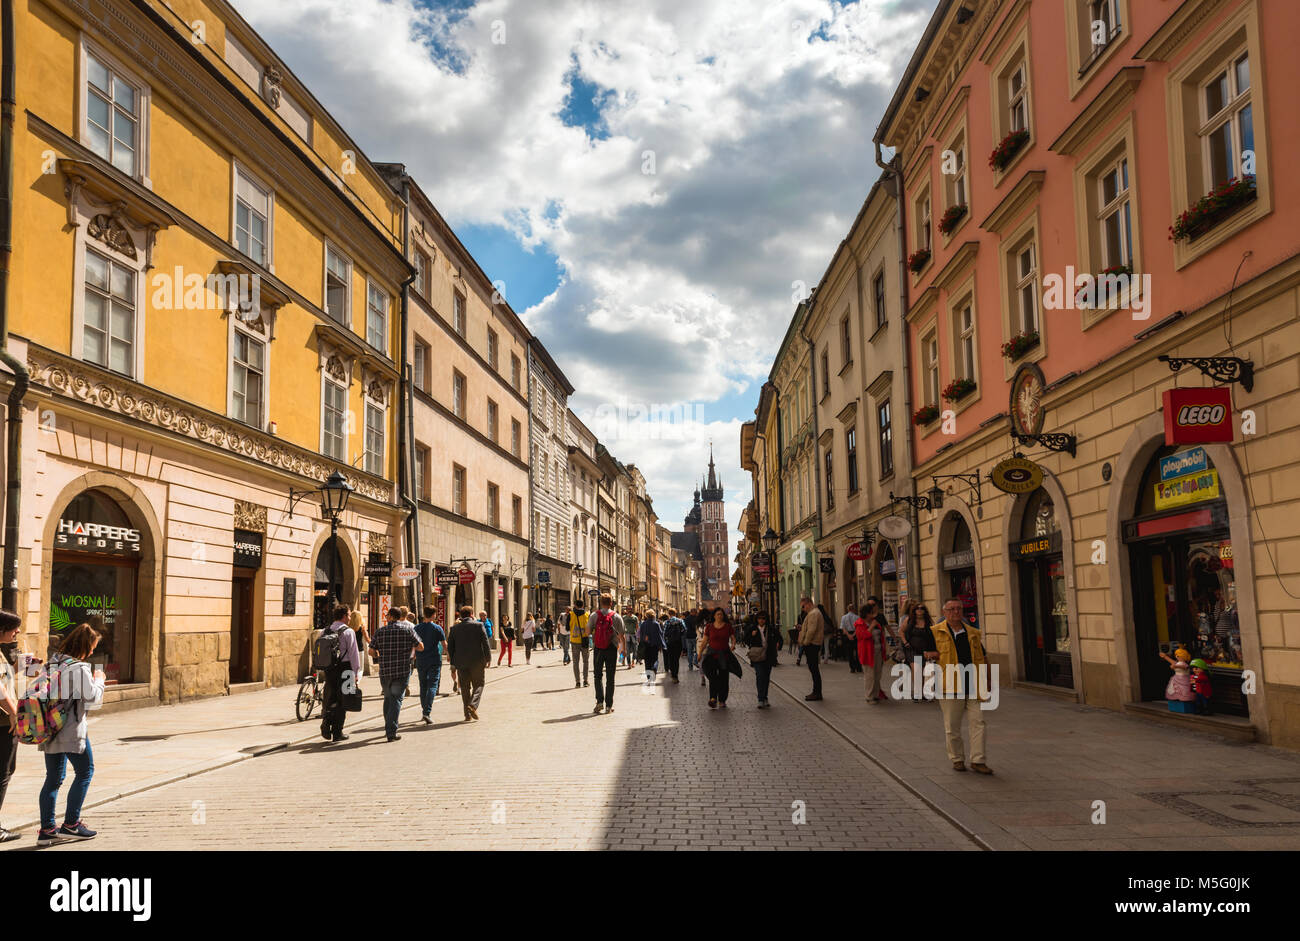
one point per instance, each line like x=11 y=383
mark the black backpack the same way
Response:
x=325 y=650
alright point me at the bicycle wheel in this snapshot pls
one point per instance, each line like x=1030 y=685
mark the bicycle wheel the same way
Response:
x=308 y=695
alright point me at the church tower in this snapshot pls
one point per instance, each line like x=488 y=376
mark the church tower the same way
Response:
x=714 y=546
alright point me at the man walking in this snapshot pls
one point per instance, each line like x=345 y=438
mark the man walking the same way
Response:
x=811 y=634
x=469 y=653
x=607 y=630
x=563 y=627
x=846 y=628
x=962 y=664
x=674 y=630
x=630 y=627
x=344 y=667
x=580 y=643
x=392 y=645
x=428 y=662
x=689 y=625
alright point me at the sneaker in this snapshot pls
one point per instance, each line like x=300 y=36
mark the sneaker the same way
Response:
x=713 y=704
x=676 y=680
x=47 y=837
x=77 y=831
x=609 y=708
x=473 y=713
x=394 y=737
x=577 y=686
x=722 y=704
x=598 y=708
x=7 y=835
x=585 y=683
x=427 y=720
x=341 y=737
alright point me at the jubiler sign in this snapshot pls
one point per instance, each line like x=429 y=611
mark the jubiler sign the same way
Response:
x=1198 y=416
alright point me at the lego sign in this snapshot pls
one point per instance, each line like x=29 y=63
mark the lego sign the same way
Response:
x=1198 y=416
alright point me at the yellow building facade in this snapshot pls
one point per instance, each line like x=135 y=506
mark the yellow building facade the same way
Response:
x=205 y=288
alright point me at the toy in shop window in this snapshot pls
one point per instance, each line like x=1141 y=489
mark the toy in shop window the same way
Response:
x=1201 y=687
x=1179 y=693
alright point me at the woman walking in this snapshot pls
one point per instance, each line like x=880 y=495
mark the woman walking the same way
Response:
x=529 y=634
x=507 y=642
x=358 y=625
x=10 y=625
x=918 y=640
x=869 y=631
x=721 y=639
x=764 y=642
x=73 y=677
x=650 y=640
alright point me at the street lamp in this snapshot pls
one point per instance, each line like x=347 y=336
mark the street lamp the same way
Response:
x=577 y=574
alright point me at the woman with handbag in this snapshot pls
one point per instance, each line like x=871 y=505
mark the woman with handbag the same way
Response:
x=764 y=644
x=870 y=631
x=721 y=638
x=650 y=640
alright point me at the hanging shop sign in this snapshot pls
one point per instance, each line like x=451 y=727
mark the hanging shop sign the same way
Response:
x=467 y=577
x=543 y=576
x=894 y=527
x=826 y=566
x=1198 y=416
x=959 y=560
x=385 y=602
x=448 y=577
x=761 y=563
x=501 y=593
x=1189 y=488
x=859 y=551
x=97 y=537
x=379 y=568
x=406 y=573
x=248 y=549
x=1026 y=406
x=1016 y=475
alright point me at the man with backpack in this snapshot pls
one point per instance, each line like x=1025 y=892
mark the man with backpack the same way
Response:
x=607 y=631
x=335 y=652
x=674 y=631
x=580 y=642
x=10 y=624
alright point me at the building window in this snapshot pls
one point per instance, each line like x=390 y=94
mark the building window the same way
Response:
x=458 y=313
x=374 y=441
x=846 y=341
x=492 y=348
x=515 y=370
x=1114 y=214
x=492 y=421
x=108 y=326
x=423 y=357
x=930 y=367
x=1018 y=98
x=830 y=479
x=826 y=373
x=376 y=317
x=878 y=289
x=458 y=395
x=1227 y=129
x=1103 y=22
x=422 y=265
x=333 y=420
x=422 y=472
x=851 y=456
x=516 y=515
x=113 y=110
x=1025 y=270
x=884 y=421
x=924 y=229
x=252 y=218
x=338 y=285
x=248 y=379
x=516 y=434
x=458 y=490
x=493 y=506
x=965 y=329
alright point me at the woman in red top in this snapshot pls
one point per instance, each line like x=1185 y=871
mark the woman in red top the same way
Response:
x=721 y=638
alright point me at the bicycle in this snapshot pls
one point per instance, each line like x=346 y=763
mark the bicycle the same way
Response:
x=309 y=694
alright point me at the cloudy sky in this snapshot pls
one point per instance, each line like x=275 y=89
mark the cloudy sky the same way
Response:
x=649 y=178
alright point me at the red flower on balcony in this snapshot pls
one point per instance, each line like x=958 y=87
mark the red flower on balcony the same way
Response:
x=917 y=260
x=952 y=215
x=1214 y=206
x=1020 y=344
x=925 y=415
x=1008 y=148
x=958 y=389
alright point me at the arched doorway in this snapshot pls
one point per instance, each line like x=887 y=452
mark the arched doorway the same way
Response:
x=1044 y=611
x=331 y=580
x=1183 y=575
x=95 y=575
x=957 y=571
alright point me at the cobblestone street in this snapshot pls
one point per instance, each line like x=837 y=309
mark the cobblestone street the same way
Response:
x=540 y=771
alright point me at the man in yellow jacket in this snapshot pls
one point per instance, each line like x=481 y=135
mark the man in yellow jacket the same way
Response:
x=579 y=643
x=963 y=669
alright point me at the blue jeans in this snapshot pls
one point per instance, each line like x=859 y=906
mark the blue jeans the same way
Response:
x=762 y=677
x=394 y=693
x=83 y=766
x=430 y=679
x=690 y=653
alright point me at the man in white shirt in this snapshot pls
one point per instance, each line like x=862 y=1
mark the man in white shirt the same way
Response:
x=846 y=628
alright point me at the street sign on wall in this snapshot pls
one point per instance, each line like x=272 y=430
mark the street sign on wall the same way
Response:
x=859 y=551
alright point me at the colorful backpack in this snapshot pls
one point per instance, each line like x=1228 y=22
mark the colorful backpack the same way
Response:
x=603 y=636
x=40 y=717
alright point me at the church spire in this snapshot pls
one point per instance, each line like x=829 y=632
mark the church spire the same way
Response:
x=713 y=477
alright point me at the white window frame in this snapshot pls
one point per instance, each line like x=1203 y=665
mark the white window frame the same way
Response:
x=1121 y=205
x=930 y=366
x=236 y=328
x=1229 y=114
x=144 y=92
x=329 y=381
x=420 y=350
x=83 y=214
x=459 y=313
x=1018 y=100
x=238 y=170
x=493 y=348
x=460 y=494
x=347 y=292
x=422 y=263
x=1024 y=280
x=367 y=406
x=372 y=286
x=461 y=412
x=423 y=457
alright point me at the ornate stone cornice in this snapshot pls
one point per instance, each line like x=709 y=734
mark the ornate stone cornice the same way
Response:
x=118 y=396
x=250 y=516
x=1173 y=34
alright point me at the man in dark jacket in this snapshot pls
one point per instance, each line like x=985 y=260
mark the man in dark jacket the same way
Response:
x=674 y=631
x=689 y=624
x=468 y=651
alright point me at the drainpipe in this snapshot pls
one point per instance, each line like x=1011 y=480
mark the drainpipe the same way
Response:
x=14 y=412
x=405 y=414
x=894 y=170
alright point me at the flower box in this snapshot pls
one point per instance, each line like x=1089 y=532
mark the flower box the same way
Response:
x=1212 y=208
x=1008 y=148
x=925 y=415
x=958 y=389
x=918 y=259
x=952 y=215
x=1020 y=344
